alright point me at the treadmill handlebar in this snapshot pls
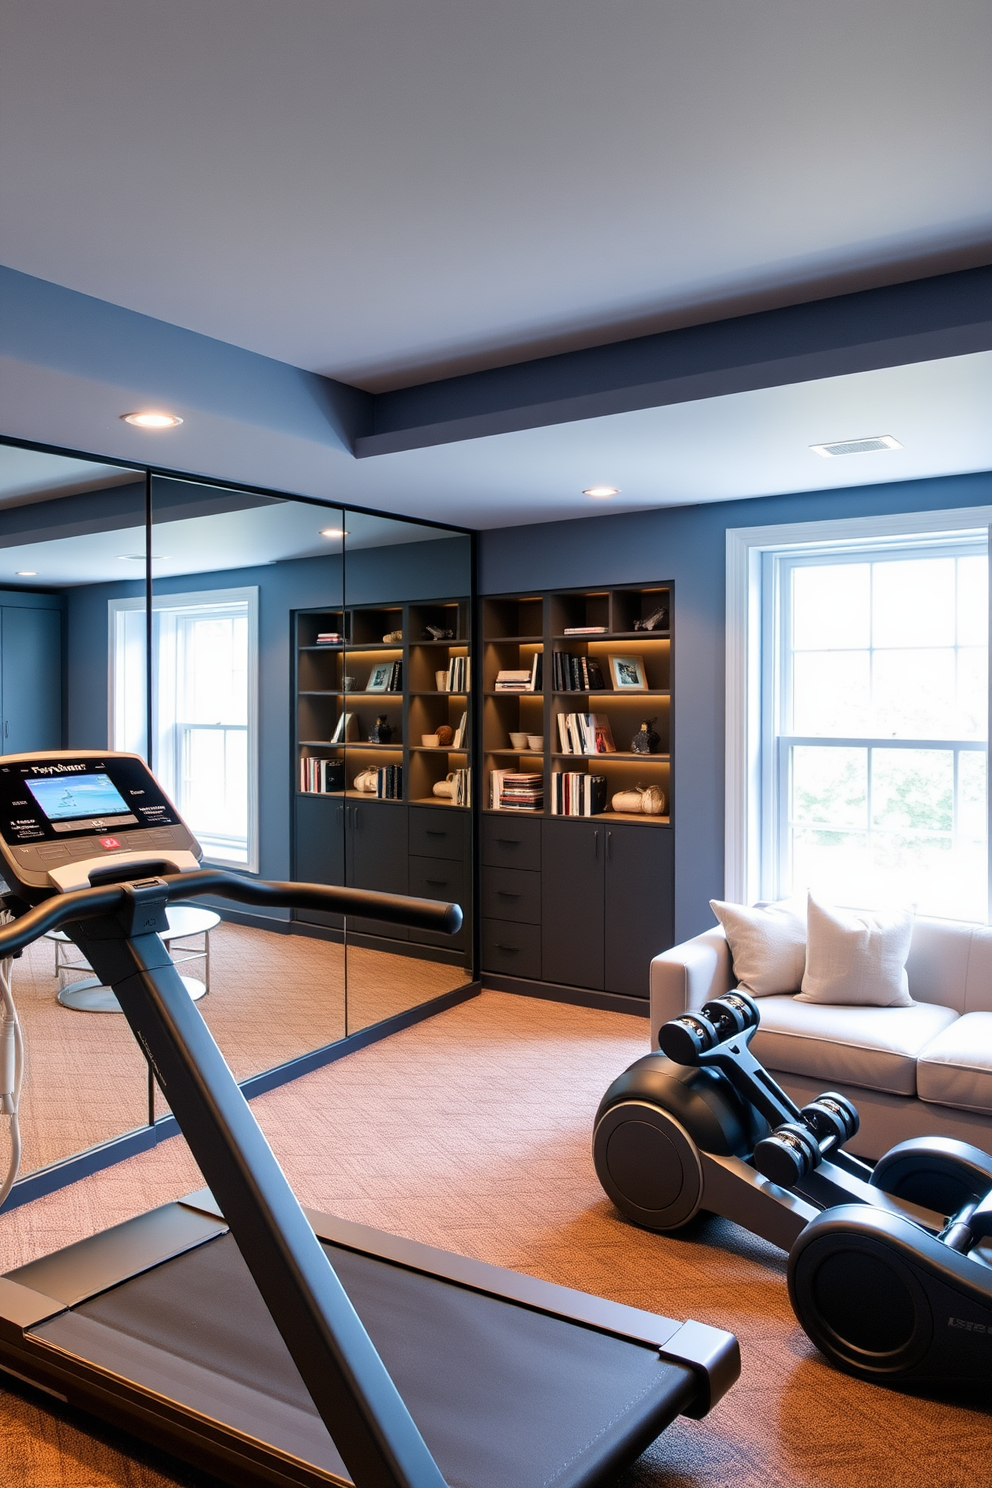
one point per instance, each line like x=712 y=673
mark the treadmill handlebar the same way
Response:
x=88 y=904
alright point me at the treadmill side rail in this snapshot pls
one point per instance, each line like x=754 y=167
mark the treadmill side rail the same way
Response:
x=714 y=1357
x=22 y=1307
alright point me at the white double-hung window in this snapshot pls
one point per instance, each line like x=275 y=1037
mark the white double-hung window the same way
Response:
x=858 y=709
x=204 y=730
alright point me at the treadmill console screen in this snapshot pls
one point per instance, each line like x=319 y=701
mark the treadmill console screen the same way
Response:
x=77 y=795
x=56 y=800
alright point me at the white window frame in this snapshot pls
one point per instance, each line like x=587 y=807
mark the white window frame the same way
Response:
x=221 y=599
x=748 y=634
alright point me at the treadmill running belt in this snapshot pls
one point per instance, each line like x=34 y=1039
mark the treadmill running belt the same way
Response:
x=504 y=1397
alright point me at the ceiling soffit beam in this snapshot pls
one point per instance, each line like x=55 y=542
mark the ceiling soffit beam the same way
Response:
x=925 y=320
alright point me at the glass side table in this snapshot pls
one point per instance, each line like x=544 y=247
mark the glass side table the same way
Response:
x=86 y=994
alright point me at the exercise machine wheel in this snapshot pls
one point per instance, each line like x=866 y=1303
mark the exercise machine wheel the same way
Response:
x=938 y=1173
x=648 y=1165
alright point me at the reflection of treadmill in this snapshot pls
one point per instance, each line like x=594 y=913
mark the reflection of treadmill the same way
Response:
x=239 y=1333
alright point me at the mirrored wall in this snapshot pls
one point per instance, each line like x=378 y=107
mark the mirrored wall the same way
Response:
x=298 y=679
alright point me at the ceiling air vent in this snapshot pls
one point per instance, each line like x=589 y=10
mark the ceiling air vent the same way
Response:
x=857 y=446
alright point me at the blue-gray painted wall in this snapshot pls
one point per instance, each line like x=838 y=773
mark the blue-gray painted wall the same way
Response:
x=687 y=545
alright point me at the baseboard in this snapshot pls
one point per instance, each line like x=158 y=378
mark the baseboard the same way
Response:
x=613 y=1002
x=129 y=1144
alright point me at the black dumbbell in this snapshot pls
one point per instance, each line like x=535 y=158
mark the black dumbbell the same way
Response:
x=789 y=1154
x=684 y=1039
x=831 y=1115
x=732 y=1014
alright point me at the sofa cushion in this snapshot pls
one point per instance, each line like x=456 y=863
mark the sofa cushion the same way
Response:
x=855 y=958
x=767 y=944
x=874 y=1047
x=955 y=1068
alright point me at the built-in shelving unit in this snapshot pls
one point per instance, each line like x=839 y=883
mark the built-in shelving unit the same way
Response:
x=578 y=902
x=518 y=626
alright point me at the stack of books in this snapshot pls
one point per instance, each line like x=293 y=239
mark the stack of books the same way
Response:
x=389 y=782
x=585 y=733
x=330 y=638
x=576 y=794
x=514 y=791
x=458 y=674
x=395 y=683
x=458 y=742
x=524 y=679
x=577 y=673
x=584 y=630
x=321 y=776
x=345 y=729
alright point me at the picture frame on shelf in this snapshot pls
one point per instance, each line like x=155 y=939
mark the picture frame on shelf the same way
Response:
x=379 y=677
x=628 y=674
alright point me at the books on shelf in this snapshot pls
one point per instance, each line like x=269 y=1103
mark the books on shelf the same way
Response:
x=329 y=638
x=519 y=680
x=458 y=675
x=458 y=742
x=389 y=782
x=345 y=729
x=584 y=630
x=577 y=673
x=574 y=793
x=585 y=733
x=513 y=790
x=321 y=776
x=461 y=787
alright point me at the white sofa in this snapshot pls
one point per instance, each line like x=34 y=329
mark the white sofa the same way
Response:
x=916 y=1071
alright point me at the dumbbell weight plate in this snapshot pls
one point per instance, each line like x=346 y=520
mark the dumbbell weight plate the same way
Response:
x=648 y=1165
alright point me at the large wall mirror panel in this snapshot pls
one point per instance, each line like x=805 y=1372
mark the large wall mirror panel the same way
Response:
x=298 y=678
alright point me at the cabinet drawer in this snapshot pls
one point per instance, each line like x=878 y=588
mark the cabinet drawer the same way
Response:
x=437 y=832
x=511 y=948
x=512 y=894
x=507 y=843
x=437 y=878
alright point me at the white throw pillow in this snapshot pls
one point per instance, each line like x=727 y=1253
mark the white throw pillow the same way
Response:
x=856 y=957
x=767 y=946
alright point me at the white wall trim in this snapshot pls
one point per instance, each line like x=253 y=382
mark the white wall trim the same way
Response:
x=745 y=546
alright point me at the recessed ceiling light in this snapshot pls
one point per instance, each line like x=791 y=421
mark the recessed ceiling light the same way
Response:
x=140 y=557
x=152 y=420
x=333 y=532
x=856 y=446
x=601 y=491
x=27 y=573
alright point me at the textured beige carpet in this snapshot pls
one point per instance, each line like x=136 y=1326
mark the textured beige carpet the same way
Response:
x=272 y=998
x=471 y=1131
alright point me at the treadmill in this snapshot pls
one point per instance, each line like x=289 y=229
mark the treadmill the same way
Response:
x=265 y=1343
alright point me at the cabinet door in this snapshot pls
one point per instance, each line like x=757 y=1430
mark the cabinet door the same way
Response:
x=639 y=904
x=319 y=850
x=572 y=861
x=377 y=847
x=31 y=679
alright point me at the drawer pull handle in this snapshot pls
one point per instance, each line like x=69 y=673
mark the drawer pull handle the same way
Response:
x=501 y=947
x=435 y=832
x=437 y=883
x=509 y=841
x=507 y=894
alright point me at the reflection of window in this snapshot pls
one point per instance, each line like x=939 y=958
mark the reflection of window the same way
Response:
x=204 y=648
x=858 y=713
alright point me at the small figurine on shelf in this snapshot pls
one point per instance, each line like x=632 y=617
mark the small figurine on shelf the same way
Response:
x=392 y=637
x=381 y=731
x=445 y=735
x=438 y=633
x=657 y=620
x=646 y=740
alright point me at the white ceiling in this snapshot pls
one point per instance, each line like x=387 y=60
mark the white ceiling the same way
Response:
x=387 y=189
